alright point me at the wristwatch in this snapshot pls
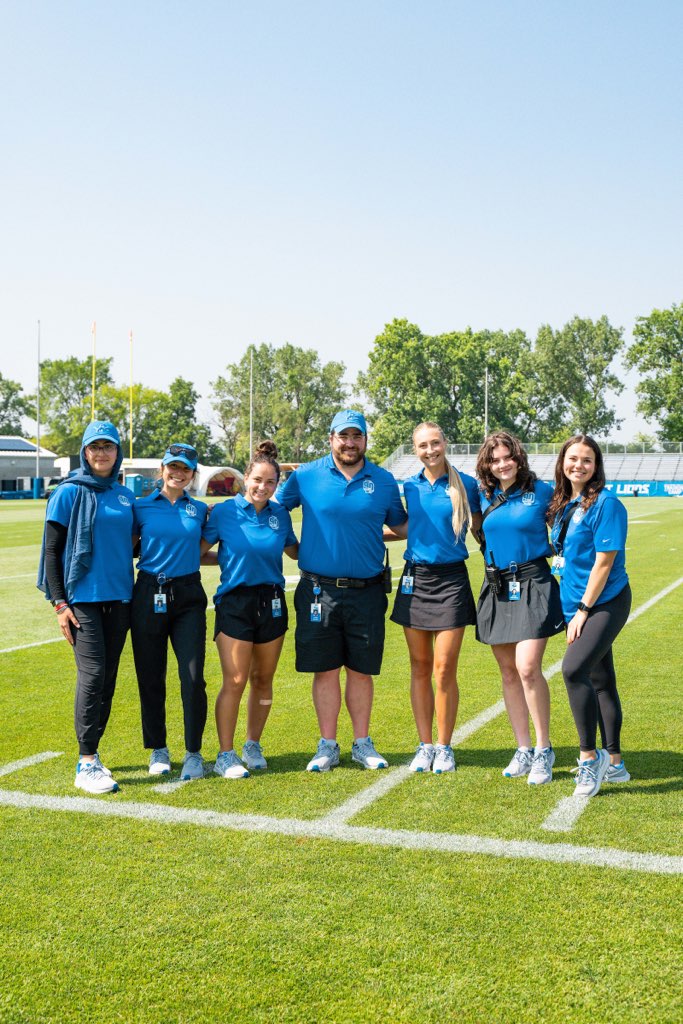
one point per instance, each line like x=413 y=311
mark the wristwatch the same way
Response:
x=583 y=607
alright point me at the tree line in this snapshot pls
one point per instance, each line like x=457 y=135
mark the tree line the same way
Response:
x=541 y=390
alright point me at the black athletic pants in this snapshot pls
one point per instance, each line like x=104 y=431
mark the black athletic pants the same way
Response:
x=97 y=649
x=184 y=624
x=588 y=670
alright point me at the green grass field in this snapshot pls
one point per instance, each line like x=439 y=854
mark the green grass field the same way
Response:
x=431 y=899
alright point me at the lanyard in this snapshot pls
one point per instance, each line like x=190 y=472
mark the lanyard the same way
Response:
x=558 y=544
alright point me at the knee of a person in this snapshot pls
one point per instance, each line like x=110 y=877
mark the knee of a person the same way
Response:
x=235 y=680
x=260 y=681
x=528 y=672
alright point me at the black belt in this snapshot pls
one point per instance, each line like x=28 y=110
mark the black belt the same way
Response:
x=153 y=578
x=525 y=570
x=343 y=581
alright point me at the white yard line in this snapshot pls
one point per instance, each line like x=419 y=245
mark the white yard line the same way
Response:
x=560 y=853
x=170 y=787
x=565 y=815
x=28 y=762
x=38 y=643
x=19 y=576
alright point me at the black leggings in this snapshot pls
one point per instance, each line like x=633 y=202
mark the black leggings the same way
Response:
x=588 y=670
x=97 y=648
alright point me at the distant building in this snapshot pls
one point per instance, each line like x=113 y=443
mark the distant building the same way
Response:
x=18 y=466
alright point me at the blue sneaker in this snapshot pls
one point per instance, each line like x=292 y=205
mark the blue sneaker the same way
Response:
x=91 y=779
x=590 y=775
x=617 y=773
x=229 y=766
x=252 y=755
x=193 y=766
x=160 y=761
x=363 y=752
x=424 y=758
x=326 y=757
x=520 y=764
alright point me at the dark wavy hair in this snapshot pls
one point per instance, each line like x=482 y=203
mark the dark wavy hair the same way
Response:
x=563 y=488
x=266 y=452
x=525 y=477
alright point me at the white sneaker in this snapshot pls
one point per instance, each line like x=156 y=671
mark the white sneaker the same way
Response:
x=193 y=766
x=520 y=764
x=252 y=755
x=542 y=766
x=591 y=774
x=326 y=757
x=91 y=779
x=444 y=759
x=363 y=752
x=229 y=766
x=424 y=756
x=160 y=761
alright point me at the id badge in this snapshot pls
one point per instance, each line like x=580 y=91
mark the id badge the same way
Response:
x=407 y=584
x=316 y=612
x=514 y=590
x=276 y=605
x=160 y=604
x=557 y=565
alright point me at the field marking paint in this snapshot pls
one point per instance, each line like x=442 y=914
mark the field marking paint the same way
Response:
x=19 y=576
x=565 y=814
x=170 y=787
x=653 y=600
x=441 y=842
x=28 y=762
x=37 y=643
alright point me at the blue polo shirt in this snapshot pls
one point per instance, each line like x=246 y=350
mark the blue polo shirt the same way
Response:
x=110 y=576
x=517 y=531
x=431 y=540
x=603 y=527
x=343 y=519
x=250 y=543
x=170 y=534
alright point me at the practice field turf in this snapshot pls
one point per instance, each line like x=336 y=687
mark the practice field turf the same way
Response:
x=354 y=896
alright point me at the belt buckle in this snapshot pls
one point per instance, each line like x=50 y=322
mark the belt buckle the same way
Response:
x=342 y=582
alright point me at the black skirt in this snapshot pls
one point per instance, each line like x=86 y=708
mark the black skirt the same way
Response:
x=442 y=598
x=536 y=615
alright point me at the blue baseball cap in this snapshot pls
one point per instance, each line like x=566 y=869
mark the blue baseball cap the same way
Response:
x=349 y=418
x=100 y=430
x=180 y=452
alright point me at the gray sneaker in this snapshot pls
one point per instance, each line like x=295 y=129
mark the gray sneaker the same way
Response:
x=99 y=764
x=520 y=764
x=252 y=755
x=424 y=757
x=542 y=766
x=617 y=773
x=326 y=757
x=229 y=766
x=591 y=774
x=444 y=760
x=193 y=766
x=91 y=779
x=160 y=761
x=363 y=752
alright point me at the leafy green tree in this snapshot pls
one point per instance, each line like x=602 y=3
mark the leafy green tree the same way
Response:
x=657 y=352
x=13 y=405
x=413 y=377
x=573 y=368
x=65 y=399
x=294 y=400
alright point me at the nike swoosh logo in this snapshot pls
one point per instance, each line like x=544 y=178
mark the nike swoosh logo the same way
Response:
x=557 y=625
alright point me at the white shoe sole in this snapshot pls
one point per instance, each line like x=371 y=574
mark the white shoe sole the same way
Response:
x=232 y=773
x=99 y=791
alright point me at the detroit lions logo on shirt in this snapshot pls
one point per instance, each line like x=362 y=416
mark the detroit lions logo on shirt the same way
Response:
x=124 y=499
x=528 y=498
x=368 y=487
x=273 y=522
x=190 y=510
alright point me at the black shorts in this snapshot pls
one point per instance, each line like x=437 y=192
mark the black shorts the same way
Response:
x=246 y=613
x=351 y=630
x=441 y=599
x=536 y=615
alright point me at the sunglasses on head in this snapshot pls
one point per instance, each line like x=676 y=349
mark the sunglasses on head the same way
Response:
x=182 y=449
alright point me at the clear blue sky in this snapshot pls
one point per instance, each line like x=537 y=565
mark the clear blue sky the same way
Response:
x=209 y=174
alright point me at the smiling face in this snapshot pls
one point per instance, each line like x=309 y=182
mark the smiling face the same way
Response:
x=503 y=466
x=348 y=447
x=579 y=466
x=430 y=448
x=176 y=476
x=260 y=484
x=101 y=456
